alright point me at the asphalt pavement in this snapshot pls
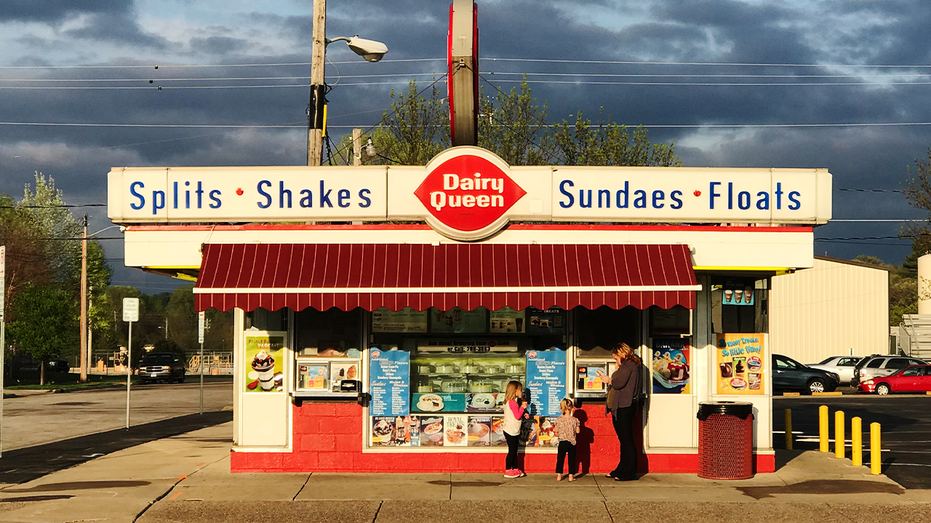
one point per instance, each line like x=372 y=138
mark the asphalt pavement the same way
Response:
x=904 y=422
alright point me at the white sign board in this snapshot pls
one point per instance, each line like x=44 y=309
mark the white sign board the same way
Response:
x=201 y=319
x=468 y=193
x=130 y=309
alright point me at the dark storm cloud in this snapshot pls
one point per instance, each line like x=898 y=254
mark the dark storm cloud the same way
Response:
x=56 y=11
x=218 y=45
x=119 y=29
x=842 y=31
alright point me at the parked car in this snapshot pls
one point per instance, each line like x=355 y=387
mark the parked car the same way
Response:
x=165 y=366
x=792 y=376
x=57 y=365
x=876 y=366
x=914 y=378
x=843 y=366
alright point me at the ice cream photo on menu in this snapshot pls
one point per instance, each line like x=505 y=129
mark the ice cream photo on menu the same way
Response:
x=265 y=362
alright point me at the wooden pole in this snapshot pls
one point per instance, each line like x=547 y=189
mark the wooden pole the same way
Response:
x=315 y=109
x=357 y=146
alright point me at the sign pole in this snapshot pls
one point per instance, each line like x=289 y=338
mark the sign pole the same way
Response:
x=2 y=335
x=201 y=319
x=130 y=314
x=129 y=368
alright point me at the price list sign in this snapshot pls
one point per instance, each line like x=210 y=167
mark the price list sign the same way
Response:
x=390 y=382
x=546 y=379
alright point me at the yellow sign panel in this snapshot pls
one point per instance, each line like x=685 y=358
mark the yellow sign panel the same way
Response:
x=741 y=359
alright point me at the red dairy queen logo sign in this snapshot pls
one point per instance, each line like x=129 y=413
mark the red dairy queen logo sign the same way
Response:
x=467 y=193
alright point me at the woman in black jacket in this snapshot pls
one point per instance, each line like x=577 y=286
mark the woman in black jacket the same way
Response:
x=623 y=402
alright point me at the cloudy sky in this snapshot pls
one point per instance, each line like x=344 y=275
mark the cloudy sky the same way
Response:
x=840 y=84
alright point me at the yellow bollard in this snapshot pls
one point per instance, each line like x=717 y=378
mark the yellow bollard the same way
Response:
x=839 y=441
x=823 y=427
x=788 y=429
x=856 y=442
x=875 y=449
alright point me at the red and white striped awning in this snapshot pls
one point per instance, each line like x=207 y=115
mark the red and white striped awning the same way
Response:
x=467 y=275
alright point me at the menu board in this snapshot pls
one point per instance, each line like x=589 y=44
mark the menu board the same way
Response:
x=671 y=366
x=457 y=320
x=549 y=321
x=546 y=380
x=390 y=382
x=506 y=320
x=265 y=361
x=404 y=320
x=741 y=362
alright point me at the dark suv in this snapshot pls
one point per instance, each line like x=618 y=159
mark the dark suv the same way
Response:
x=161 y=366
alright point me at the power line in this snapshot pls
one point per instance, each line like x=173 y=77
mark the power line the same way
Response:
x=716 y=84
x=712 y=64
x=680 y=75
x=207 y=78
x=195 y=66
x=69 y=205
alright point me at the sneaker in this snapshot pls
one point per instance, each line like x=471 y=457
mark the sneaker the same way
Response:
x=512 y=473
x=520 y=473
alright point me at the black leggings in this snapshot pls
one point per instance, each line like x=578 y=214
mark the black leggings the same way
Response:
x=624 y=427
x=564 y=448
x=513 y=442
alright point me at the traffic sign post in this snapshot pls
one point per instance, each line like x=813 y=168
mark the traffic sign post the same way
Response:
x=130 y=314
x=201 y=320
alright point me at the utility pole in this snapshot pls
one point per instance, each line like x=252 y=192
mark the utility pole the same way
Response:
x=357 y=146
x=316 y=111
x=83 y=327
x=90 y=330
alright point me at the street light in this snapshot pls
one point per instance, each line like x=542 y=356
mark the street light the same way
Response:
x=369 y=49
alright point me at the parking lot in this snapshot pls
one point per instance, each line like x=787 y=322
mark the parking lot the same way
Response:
x=906 y=429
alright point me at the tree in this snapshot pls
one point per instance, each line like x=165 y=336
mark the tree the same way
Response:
x=46 y=323
x=56 y=223
x=513 y=126
x=182 y=320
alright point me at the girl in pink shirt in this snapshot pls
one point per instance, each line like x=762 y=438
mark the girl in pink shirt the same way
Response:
x=513 y=413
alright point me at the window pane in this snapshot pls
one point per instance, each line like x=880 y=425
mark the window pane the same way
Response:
x=897 y=363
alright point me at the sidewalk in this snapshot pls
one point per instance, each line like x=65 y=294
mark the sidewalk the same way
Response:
x=186 y=478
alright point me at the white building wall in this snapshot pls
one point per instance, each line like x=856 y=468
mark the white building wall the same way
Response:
x=835 y=308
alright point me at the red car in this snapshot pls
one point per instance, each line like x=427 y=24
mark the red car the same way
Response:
x=915 y=378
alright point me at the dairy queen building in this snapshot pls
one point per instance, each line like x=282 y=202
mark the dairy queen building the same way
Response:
x=381 y=310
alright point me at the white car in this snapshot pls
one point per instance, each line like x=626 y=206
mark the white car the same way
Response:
x=843 y=366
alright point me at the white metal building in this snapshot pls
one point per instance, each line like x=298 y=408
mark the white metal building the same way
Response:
x=837 y=307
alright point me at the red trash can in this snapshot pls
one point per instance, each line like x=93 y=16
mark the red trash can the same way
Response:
x=725 y=440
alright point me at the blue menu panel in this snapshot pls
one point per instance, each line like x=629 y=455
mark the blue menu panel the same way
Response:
x=546 y=380
x=390 y=382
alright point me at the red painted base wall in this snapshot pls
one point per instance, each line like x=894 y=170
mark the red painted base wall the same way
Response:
x=328 y=437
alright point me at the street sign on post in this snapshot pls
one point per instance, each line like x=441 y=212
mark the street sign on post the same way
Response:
x=130 y=309
x=130 y=314
x=201 y=320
